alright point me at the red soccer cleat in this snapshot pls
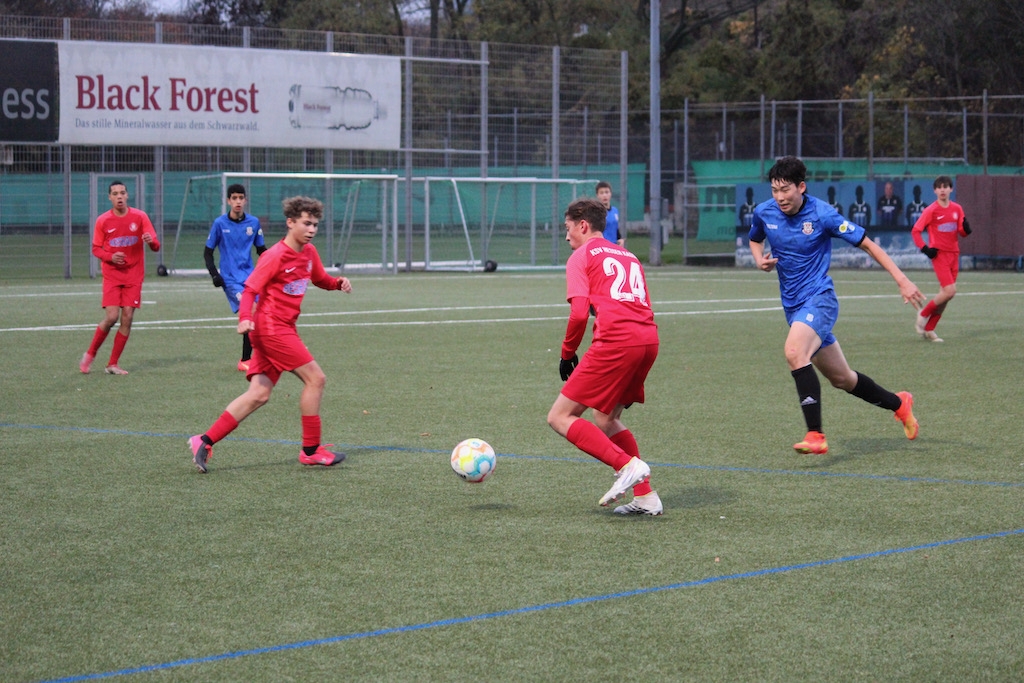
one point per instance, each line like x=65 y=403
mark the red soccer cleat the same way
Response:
x=321 y=456
x=905 y=414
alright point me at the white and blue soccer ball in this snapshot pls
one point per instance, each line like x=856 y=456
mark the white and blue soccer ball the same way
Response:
x=473 y=460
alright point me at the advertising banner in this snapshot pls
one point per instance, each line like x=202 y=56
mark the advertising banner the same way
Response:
x=129 y=94
x=28 y=91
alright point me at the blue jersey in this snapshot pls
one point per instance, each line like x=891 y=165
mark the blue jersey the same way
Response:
x=235 y=239
x=611 y=226
x=803 y=245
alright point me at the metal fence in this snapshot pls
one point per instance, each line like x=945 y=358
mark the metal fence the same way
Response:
x=492 y=109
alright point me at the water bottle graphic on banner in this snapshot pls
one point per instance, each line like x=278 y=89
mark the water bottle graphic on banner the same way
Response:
x=333 y=108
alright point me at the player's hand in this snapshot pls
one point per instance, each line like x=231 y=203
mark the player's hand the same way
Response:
x=118 y=258
x=767 y=263
x=911 y=294
x=967 y=226
x=344 y=285
x=218 y=281
x=565 y=367
x=246 y=326
x=930 y=252
x=147 y=238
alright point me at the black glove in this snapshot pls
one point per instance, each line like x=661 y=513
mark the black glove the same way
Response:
x=218 y=281
x=930 y=252
x=967 y=226
x=565 y=367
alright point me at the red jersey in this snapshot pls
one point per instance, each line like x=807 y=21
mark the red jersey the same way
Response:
x=945 y=225
x=280 y=280
x=611 y=281
x=123 y=234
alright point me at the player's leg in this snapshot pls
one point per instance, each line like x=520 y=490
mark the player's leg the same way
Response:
x=313 y=382
x=831 y=362
x=120 y=340
x=256 y=395
x=111 y=303
x=802 y=343
x=233 y=292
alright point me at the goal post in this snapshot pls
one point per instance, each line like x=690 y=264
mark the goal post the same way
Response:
x=359 y=228
x=514 y=222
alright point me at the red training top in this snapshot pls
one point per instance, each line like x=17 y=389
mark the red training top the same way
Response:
x=945 y=225
x=123 y=234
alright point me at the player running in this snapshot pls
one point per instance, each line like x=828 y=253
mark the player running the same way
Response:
x=235 y=233
x=800 y=229
x=608 y=279
x=270 y=305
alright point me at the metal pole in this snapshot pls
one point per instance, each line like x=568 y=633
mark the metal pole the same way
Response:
x=871 y=135
x=408 y=155
x=623 y=142
x=655 y=133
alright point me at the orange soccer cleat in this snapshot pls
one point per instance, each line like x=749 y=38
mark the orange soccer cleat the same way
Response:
x=814 y=443
x=905 y=414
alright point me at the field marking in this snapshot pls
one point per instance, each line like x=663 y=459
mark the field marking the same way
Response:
x=529 y=609
x=230 y=322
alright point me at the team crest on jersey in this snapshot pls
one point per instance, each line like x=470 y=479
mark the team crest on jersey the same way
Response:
x=248 y=231
x=309 y=266
x=133 y=227
x=808 y=228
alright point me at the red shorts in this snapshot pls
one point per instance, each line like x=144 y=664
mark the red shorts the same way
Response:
x=608 y=376
x=277 y=354
x=946 y=266
x=123 y=296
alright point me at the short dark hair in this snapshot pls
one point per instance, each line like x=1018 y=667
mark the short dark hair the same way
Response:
x=294 y=207
x=942 y=181
x=601 y=184
x=788 y=169
x=236 y=188
x=589 y=210
x=116 y=182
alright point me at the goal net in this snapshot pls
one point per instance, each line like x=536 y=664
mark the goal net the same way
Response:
x=514 y=222
x=455 y=223
x=358 y=229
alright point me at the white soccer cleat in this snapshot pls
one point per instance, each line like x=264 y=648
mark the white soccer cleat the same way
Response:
x=932 y=337
x=919 y=323
x=647 y=504
x=634 y=472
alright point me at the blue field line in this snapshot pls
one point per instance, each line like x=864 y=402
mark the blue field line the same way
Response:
x=413 y=449
x=440 y=623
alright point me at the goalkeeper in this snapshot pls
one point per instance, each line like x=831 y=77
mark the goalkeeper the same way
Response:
x=235 y=234
x=944 y=220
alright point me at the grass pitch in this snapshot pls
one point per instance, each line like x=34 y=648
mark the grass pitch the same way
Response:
x=883 y=560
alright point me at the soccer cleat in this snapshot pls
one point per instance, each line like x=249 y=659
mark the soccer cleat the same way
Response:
x=243 y=366
x=919 y=323
x=201 y=452
x=814 y=443
x=115 y=370
x=931 y=336
x=86 y=363
x=321 y=456
x=647 y=504
x=631 y=474
x=905 y=414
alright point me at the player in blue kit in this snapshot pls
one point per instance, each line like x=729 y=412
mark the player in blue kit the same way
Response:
x=799 y=230
x=235 y=234
x=612 y=233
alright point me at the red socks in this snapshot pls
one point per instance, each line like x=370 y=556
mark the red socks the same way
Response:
x=586 y=436
x=929 y=312
x=310 y=431
x=224 y=425
x=115 y=354
x=98 y=337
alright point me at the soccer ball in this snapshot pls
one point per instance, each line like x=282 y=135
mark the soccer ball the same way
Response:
x=473 y=460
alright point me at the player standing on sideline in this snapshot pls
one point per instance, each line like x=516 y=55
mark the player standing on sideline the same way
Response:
x=945 y=222
x=235 y=233
x=800 y=229
x=609 y=279
x=117 y=241
x=612 y=233
x=276 y=289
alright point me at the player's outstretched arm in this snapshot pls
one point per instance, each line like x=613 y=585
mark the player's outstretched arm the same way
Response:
x=908 y=290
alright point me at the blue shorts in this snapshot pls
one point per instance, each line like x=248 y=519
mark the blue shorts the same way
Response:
x=233 y=291
x=820 y=313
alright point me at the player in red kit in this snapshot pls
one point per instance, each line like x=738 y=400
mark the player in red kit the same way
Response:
x=280 y=280
x=604 y=277
x=944 y=220
x=119 y=240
